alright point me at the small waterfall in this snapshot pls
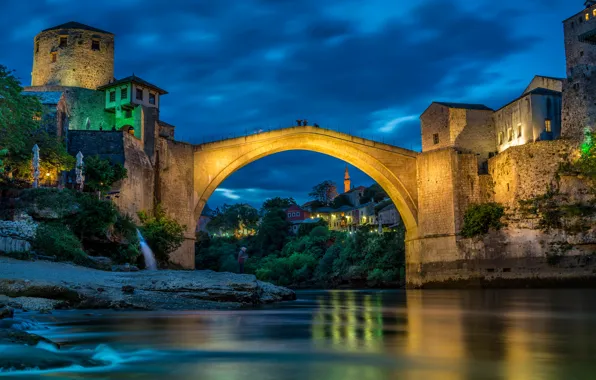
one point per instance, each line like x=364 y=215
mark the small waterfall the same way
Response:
x=150 y=262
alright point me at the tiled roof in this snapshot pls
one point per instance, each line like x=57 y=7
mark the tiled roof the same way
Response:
x=466 y=106
x=76 y=25
x=46 y=97
x=135 y=79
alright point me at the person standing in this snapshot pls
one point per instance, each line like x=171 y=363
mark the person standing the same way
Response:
x=242 y=256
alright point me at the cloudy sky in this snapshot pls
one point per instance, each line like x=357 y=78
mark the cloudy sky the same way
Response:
x=366 y=67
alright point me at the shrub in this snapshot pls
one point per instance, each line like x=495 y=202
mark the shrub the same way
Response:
x=101 y=174
x=163 y=234
x=55 y=239
x=479 y=218
x=94 y=218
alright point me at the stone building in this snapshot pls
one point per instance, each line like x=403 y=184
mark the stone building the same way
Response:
x=579 y=109
x=97 y=114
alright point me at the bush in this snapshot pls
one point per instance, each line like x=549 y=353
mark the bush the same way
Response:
x=94 y=217
x=55 y=239
x=479 y=218
x=163 y=234
x=101 y=174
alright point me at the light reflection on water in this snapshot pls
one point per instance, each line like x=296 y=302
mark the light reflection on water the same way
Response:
x=343 y=335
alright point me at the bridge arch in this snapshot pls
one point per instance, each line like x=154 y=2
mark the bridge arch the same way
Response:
x=394 y=169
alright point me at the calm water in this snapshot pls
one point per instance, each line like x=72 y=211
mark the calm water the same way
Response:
x=343 y=335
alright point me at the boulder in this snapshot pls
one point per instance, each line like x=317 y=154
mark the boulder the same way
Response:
x=23 y=288
x=100 y=262
x=272 y=293
x=6 y=312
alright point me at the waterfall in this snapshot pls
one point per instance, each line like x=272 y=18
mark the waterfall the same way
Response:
x=150 y=262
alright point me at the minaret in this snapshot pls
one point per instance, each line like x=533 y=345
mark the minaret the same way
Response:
x=347 y=186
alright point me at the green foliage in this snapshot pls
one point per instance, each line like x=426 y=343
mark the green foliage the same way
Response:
x=277 y=203
x=3 y=152
x=163 y=234
x=306 y=228
x=324 y=192
x=479 y=218
x=101 y=174
x=240 y=218
x=373 y=193
x=319 y=232
x=20 y=130
x=94 y=217
x=272 y=233
x=56 y=239
x=341 y=200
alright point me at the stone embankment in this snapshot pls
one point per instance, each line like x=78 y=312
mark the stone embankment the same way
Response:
x=44 y=286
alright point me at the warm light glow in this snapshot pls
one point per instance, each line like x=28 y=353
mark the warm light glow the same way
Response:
x=547 y=125
x=587 y=16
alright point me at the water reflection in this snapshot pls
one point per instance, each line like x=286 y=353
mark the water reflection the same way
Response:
x=343 y=335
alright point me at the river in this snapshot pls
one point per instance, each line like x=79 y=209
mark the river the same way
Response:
x=344 y=335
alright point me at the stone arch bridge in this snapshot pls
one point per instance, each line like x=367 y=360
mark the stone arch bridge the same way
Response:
x=187 y=175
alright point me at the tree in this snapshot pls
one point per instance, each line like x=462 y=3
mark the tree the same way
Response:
x=163 y=234
x=273 y=232
x=237 y=219
x=341 y=200
x=101 y=174
x=324 y=192
x=20 y=130
x=373 y=193
x=277 y=203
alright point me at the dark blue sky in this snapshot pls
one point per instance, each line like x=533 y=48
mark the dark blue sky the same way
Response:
x=368 y=67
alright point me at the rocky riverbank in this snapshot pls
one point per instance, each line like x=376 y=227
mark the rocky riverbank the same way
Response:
x=44 y=286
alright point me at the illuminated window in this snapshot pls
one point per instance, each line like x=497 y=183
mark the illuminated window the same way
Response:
x=587 y=16
x=500 y=138
x=151 y=98
x=112 y=96
x=123 y=93
x=436 y=138
x=63 y=41
x=509 y=134
x=139 y=94
x=95 y=45
x=54 y=56
x=519 y=131
x=594 y=13
x=36 y=116
x=547 y=126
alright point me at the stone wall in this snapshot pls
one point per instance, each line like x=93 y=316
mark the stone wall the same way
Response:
x=136 y=192
x=579 y=110
x=435 y=120
x=88 y=105
x=554 y=84
x=106 y=144
x=478 y=136
x=527 y=171
x=175 y=192
x=76 y=64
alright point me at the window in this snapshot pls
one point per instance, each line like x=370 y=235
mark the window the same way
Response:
x=547 y=126
x=95 y=45
x=112 y=96
x=123 y=93
x=53 y=56
x=289 y=214
x=519 y=131
x=594 y=13
x=509 y=134
x=500 y=138
x=139 y=94
x=37 y=47
x=151 y=98
x=436 y=138
x=587 y=16
x=128 y=114
x=63 y=41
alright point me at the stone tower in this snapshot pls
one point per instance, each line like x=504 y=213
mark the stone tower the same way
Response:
x=579 y=107
x=347 y=186
x=73 y=55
